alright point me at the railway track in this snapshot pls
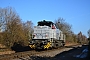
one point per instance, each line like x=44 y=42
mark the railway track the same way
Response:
x=17 y=55
x=20 y=55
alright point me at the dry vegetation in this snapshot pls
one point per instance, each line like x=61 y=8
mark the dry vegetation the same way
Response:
x=71 y=37
x=13 y=30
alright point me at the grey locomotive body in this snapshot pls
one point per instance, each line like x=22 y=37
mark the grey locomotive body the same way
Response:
x=46 y=36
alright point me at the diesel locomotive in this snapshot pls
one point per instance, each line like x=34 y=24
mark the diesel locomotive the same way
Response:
x=46 y=36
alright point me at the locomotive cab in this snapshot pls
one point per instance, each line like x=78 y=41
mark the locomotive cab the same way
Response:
x=46 y=23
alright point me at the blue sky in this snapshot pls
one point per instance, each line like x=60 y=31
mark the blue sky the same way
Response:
x=75 y=12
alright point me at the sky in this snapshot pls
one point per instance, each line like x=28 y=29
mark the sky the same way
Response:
x=75 y=12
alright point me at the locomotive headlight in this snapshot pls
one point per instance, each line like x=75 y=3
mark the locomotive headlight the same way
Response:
x=46 y=35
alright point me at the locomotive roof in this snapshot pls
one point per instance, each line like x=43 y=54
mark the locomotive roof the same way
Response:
x=47 y=23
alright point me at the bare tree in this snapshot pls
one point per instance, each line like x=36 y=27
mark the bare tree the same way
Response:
x=1 y=20
x=65 y=28
x=28 y=29
x=80 y=37
x=88 y=33
x=12 y=26
x=13 y=30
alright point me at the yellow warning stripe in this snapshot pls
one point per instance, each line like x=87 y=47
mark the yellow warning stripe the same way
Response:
x=47 y=46
x=32 y=46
